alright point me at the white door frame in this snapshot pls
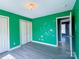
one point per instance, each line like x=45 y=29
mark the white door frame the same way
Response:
x=8 y=31
x=28 y=30
x=70 y=16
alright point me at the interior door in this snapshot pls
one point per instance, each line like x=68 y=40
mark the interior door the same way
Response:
x=29 y=31
x=4 y=34
x=23 y=31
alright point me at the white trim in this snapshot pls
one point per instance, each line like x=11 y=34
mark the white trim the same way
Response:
x=70 y=30
x=14 y=48
x=57 y=32
x=71 y=48
x=8 y=31
x=45 y=43
x=62 y=17
x=75 y=55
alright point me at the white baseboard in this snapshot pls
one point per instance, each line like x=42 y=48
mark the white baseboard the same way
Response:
x=75 y=55
x=14 y=48
x=45 y=43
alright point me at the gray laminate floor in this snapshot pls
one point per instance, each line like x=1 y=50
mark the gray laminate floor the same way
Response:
x=37 y=51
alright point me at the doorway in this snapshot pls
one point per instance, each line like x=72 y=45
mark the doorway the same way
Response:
x=25 y=31
x=64 y=31
x=4 y=34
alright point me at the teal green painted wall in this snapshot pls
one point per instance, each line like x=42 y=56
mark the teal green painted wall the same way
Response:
x=14 y=27
x=44 y=28
x=76 y=18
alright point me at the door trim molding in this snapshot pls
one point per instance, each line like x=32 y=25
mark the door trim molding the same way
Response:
x=71 y=48
x=70 y=16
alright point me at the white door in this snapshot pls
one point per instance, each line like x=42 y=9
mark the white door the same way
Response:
x=29 y=31
x=4 y=34
x=23 y=32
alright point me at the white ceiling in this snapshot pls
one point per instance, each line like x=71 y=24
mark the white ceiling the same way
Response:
x=45 y=7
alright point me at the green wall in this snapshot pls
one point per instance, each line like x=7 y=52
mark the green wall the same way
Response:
x=14 y=27
x=76 y=18
x=44 y=28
